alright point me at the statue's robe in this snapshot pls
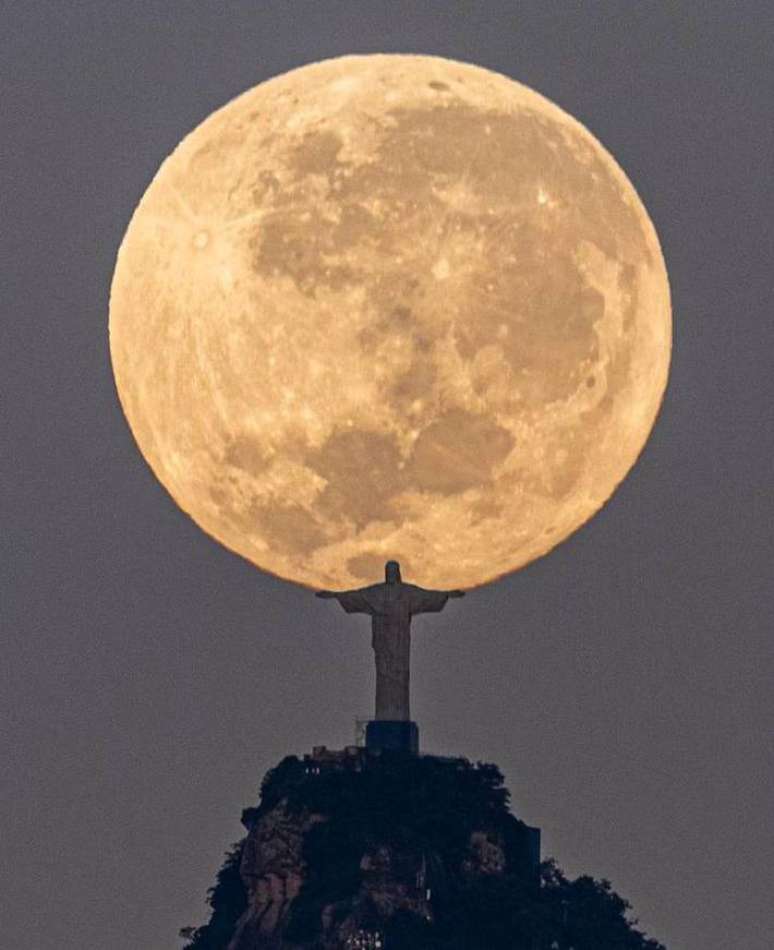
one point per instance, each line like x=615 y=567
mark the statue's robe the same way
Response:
x=391 y=607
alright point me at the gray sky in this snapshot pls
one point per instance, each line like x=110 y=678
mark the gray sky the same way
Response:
x=149 y=677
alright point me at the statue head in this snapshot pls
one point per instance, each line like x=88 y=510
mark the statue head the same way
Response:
x=392 y=572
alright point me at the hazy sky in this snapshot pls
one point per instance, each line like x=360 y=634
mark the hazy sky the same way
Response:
x=149 y=677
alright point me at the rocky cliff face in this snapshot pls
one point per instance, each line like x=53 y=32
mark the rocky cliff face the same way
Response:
x=377 y=872
x=363 y=851
x=273 y=871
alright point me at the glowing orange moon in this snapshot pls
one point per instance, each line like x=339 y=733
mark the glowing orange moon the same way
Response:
x=390 y=306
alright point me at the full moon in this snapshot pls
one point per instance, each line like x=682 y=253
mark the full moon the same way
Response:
x=390 y=307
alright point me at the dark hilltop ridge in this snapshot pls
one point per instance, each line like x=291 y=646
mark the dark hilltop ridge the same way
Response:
x=378 y=850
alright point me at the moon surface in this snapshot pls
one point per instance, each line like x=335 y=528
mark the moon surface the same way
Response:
x=390 y=307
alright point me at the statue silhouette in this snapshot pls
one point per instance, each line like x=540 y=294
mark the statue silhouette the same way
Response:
x=391 y=606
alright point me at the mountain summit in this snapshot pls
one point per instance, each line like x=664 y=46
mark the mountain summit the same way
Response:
x=376 y=850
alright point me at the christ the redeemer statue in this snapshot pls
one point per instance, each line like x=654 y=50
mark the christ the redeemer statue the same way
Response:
x=391 y=606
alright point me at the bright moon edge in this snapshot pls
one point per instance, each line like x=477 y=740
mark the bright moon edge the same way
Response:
x=190 y=186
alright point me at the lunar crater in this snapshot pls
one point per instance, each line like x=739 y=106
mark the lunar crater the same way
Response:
x=415 y=313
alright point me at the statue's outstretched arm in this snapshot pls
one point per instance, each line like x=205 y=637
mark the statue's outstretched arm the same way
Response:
x=431 y=601
x=352 y=601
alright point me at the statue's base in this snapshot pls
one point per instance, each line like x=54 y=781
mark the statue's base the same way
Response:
x=394 y=734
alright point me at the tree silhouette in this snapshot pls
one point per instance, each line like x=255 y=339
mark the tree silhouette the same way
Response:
x=422 y=808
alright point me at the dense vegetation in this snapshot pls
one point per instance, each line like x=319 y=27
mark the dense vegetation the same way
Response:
x=430 y=807
x=228 y=902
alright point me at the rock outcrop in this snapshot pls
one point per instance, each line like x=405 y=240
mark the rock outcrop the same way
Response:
x=358 y=850
x=273 y=870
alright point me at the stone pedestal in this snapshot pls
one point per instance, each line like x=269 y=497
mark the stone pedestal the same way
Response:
x=394 y=734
